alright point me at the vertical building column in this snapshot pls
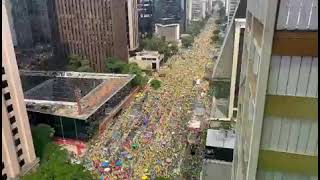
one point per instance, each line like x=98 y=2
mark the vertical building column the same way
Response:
x=9 y=156
x=14 y=84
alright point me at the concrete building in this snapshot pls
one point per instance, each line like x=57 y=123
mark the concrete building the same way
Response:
x=277 y=119
x=197 y=10
x=167 y=11
x=217 y=163
x=133 y=26
x=21 y=23
x=38 y=12
x=171 y=32
x=11 y=23
x=96 y=30
x=225 y=76
x=170 y=12
x=18 y=155
x=148 y=60
x=29 y=22
x=145 y=11
x=77 y=105
x=231 y=8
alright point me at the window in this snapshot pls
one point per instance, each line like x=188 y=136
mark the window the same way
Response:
x=154 y=65
x=12 y=120
x=4 y=84
x=9 y=108
x=21 y=163
x=17 y=142
x=19 y=153
x=14 y=131
x=7 y=96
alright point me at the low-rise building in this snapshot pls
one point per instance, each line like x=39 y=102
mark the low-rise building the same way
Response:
x=148 y=60
x=76 y=104
x=171 y=32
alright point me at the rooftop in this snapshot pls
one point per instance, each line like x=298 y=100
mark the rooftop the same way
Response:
x=148 y=53
x=63 y=93
x=217 y=139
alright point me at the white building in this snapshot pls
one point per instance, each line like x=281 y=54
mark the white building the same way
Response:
x=148 y=60
x=171 y=32
x=197 y=9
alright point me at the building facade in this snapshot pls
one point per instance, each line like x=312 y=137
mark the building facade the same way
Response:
x=145 y=11
x=148 y=60
x=225 y=73
x=170 y=32
x=18 y=155
x=96 y=29
x=133 y=25
x=277 y=119
x=21 y=23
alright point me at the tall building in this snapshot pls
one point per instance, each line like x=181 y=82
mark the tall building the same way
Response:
x=96 y=29
x=38 y=12
x=29 y=22
x=18 y=155
x=132 y=24
x=145 y=11
x=277 y=119
x=167 y=11
x=21 y=22
x=225 y=76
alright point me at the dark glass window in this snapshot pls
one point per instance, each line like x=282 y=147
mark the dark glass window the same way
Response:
x=4 y=84
x=17 y=142
x=15 y=131
x=21 y=163
x=19 y=153
x=12 y=120
x=7 y=96
x=9 y=108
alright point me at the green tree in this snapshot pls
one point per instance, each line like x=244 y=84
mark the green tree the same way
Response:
x=214 y=39
x=115 y=65
x=187 y=41
x=217 y=31
x=160 y=45
x=76 y=63
x=55 y=163
x=42 y=134
x=218 y=21
x=155 y=84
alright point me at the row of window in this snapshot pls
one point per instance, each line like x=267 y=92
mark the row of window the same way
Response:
x=149 y=59
x=12 y=120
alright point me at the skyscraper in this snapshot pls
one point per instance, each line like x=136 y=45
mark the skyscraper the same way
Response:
x=96 y=29
x=18 y=155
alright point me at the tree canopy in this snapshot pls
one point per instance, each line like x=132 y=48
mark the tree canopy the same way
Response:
x=187 y=41
x=115 y=65
x=55 y=162
x=155 y=84
x=76 y=63
x=160 y=45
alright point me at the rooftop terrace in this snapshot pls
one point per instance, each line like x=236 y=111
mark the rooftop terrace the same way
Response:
x=70 y=94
